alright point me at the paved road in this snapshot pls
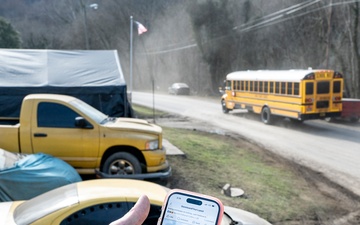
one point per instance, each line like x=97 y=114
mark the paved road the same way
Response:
x=330 y=148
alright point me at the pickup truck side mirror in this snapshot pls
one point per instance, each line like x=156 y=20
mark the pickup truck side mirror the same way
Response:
x=82 y=123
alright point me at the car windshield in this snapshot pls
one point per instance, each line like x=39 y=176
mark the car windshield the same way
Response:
x=88 y=110
x=47 y=203
x=181 y=85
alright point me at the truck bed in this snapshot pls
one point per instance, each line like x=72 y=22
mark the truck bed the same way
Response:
x=9 y=140
x=9 y=120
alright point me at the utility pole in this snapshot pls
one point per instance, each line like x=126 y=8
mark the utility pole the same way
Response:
x=84 y=6
x=328 y=36
x=131 y=58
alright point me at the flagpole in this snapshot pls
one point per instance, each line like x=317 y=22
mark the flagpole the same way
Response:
x=131 y=58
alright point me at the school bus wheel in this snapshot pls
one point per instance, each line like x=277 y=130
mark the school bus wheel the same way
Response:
x=224 y=109
x=266 y=117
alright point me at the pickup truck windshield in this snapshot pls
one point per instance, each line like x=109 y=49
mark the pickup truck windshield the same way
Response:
x=88 y=110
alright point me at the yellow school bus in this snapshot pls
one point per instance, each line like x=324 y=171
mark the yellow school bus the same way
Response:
x=296 y=94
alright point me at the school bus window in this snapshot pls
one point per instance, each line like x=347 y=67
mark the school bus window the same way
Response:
x=228 y=85
x=266 y=86
x=277 y=87
x=251 y=86
x=337 y=87
x=289 y=94
x=296 y=88
x=289 y=88
x=256 y=86
x=283 y=87
x=323 y=87
x=309 y=88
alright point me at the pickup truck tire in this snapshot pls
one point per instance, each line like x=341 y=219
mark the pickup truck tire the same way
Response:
x=121 y=163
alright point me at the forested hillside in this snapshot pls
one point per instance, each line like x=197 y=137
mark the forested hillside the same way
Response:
x=199 y=41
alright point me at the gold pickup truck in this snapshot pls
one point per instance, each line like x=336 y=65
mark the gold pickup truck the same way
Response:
x=68 y=128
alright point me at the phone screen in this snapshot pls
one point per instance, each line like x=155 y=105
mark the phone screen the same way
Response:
x=185 y=209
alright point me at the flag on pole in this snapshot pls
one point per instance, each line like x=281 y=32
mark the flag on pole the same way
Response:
x=140 y=27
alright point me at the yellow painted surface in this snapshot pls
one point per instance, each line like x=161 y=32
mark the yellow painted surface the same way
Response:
x=82 y=148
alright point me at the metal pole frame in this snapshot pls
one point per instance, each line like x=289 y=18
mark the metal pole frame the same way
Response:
x=85 y=25
x=131 y=59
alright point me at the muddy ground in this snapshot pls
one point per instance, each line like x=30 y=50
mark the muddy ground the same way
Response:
x=346 y=199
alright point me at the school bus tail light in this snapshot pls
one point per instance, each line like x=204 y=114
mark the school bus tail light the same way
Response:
x=337 y=99
x=233 y=93
x=309 y=100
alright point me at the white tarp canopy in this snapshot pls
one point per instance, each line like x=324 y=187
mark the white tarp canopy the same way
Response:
x=93 y=76
x=21 y=67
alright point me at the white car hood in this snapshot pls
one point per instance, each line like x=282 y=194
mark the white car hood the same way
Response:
x=134 y=124
x=4 y=211
x=244 y=217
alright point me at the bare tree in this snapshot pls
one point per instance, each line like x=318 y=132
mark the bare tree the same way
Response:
x=9 y=37
x=353 y=31
x=199 y=42
x=212 y=27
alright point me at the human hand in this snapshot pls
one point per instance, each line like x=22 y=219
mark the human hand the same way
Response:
x=136 y=215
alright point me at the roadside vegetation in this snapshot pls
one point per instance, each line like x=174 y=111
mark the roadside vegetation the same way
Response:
x=275 y=189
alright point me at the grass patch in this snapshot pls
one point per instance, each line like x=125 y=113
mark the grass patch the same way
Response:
x=273 y=190
x=145 y=112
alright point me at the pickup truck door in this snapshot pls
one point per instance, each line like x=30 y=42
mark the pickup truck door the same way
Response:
x=54 y=132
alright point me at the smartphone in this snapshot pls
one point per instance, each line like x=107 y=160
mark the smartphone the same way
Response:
x=184 y=207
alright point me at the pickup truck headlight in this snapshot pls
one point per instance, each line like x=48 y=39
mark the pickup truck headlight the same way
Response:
x=152 y=145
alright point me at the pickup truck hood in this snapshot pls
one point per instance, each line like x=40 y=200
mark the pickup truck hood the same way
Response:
x=134 y=124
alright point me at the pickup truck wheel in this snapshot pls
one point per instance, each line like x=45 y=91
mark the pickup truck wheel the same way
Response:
x=121 y=163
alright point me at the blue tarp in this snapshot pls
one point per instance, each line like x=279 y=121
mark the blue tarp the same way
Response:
x=34 y=175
